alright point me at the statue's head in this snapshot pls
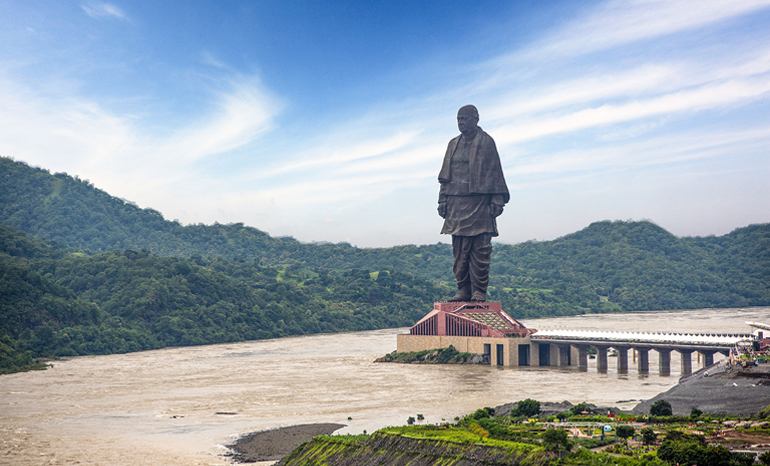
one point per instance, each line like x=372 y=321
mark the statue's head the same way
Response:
x=467 y=119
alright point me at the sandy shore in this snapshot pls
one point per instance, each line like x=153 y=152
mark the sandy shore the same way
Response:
x=274 y=444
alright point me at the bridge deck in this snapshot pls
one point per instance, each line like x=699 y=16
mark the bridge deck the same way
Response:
x=683 y=340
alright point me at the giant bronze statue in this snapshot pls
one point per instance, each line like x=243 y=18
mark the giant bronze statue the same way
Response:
x=472 y=195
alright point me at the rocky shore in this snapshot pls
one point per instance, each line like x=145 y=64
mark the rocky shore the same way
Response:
x=274 y=444
x=716 y=389
x=739 y=392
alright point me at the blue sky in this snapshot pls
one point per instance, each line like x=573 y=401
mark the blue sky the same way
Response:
x=327 y=121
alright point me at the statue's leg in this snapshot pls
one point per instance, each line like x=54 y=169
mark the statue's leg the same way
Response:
x=461 y=247
x=479 y=258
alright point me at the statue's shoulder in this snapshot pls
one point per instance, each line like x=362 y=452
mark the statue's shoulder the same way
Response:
x=485 y=135
x=486 y=139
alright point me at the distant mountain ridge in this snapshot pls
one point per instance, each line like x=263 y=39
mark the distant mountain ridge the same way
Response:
x=71 y=211
x=608 y=266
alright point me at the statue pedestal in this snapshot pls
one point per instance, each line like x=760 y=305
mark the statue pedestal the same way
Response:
x=493 y=306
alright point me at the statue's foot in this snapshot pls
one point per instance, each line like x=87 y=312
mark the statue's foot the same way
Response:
x=459 y=297
x=478 y=297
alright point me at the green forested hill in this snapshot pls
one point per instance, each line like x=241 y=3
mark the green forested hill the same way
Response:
x=73 y=212
x=210 y=283
x=60 y=303
x=638 y=266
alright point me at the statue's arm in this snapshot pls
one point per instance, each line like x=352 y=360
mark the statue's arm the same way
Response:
x=442 y=203
x=496 y=203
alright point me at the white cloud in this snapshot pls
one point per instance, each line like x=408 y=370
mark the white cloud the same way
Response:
x=103 y=10
x=621 y=22
x=705 y=97
x=243 y=113
x=328 y=156
x=80 y=136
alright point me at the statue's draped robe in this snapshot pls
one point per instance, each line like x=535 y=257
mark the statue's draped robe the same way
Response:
x=471 y=178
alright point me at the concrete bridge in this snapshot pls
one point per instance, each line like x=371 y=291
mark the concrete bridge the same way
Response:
x=485 y=329
x=567 y=345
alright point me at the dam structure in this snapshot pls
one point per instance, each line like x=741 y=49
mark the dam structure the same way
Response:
x=484 y=328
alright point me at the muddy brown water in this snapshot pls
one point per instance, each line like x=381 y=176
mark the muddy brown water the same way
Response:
x=178 y=406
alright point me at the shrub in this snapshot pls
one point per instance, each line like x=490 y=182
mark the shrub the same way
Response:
x=478 y=430
x=580 y=407
x=526 y=408
x=482 y=413
x=765 y=413
x=661 y=408
x=554 y=438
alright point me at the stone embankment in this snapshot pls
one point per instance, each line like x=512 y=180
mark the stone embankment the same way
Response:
x=719 y=390
x=395 y=450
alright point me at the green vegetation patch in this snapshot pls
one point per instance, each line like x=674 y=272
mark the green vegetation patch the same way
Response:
x=434 y=356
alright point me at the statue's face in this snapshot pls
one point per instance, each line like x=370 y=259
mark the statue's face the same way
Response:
x=466 y=123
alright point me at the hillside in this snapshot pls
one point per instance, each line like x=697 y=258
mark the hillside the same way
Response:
x=71 y=211
x=608 y=266
x=58 y=302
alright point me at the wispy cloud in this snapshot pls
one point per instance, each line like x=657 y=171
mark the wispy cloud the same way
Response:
x=618 y=23
x=331 y=156
x=80 y=136
x=563 y=116
x=103 y=10
x=243 y=113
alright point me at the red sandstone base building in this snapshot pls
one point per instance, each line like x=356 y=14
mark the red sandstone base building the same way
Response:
x=481 y=328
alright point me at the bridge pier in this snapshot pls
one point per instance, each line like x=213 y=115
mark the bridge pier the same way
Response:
x=601 y=359
x=643 y=361
x=664 y=361
x=572 y=349
x=622 y=360
x=708 y=357
x=686 y=356
x=583 y=358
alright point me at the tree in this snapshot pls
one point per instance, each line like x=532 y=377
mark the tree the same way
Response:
x=482 y=413
x=661 y=408
x=580 y=407
x=648 y=436
x=625 y=432
x=554 y=438
x=527 y=408
x=687 y=449
x=695 y=413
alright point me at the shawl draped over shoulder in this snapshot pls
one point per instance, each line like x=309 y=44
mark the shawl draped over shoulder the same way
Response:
x=486 y=173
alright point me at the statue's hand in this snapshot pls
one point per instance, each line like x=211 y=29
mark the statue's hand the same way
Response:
x=442 y=209
x=495 y=210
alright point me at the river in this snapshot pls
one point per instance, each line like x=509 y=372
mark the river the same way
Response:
x=178 y=406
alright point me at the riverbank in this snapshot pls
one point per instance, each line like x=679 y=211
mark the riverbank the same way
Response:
x=737 y=391
x=274 y=444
